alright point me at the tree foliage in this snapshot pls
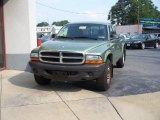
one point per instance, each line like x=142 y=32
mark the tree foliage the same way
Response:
x=60 y=23
x=42 y=24
x=128 y=11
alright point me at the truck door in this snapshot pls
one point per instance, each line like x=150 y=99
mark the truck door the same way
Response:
x=115 y=44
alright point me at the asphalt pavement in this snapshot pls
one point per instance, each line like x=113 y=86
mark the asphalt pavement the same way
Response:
x=141 y=73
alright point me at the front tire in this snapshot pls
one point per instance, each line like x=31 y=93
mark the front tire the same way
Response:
x=156 y=45
x=142 y=46
x=103 y=82
x=41 y=80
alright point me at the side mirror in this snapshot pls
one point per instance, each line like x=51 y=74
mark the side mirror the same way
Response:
x=53 y=35
x=113 y=35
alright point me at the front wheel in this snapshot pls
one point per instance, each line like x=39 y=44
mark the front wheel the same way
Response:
x=156 y=45
x=142 y=46
x=103 y=82
x=41 y=80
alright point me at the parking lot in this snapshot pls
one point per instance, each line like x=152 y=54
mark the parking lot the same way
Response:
x=134 y=94
x=140 y=74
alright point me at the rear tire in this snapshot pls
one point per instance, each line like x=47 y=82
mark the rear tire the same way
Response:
x=41 y=80
x=156 y=45
x=103 y=82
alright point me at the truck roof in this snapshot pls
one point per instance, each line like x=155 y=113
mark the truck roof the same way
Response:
x=102 y=23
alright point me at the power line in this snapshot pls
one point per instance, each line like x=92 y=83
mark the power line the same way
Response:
x=67 y=11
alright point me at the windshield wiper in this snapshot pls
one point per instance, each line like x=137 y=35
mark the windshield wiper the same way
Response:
x=64 y=37
x=86 y=37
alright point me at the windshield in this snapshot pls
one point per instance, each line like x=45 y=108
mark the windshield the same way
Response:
x=45 y=37
x=138 y=37
x=88 y=31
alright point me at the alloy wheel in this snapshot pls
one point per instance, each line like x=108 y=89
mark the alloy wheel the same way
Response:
x=143 y=45
x=109 y=74
x=157 y=45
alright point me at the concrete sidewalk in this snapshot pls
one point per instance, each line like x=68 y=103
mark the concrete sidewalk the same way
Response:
x=23 y=99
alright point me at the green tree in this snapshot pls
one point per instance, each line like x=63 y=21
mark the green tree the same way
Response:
x=60 y=23
x=128 y=11
x=42 y=24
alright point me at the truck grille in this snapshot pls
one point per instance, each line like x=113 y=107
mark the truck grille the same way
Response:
x=61 y=57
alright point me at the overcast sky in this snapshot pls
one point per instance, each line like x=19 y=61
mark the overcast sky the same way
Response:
x=83 y=10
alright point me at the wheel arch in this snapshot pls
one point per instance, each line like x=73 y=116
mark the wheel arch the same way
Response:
x=109 y=56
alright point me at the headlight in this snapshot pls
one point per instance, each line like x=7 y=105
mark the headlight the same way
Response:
x=93 y=59
x=34 y=57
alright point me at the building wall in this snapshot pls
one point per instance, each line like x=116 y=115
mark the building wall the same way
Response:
x=2 y=65
x=129 y=29
x=20 y=32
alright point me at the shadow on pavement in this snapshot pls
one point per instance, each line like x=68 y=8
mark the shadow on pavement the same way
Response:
x=122 y=84
x=26 y=80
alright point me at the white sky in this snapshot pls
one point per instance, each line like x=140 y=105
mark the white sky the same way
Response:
x=81 y=6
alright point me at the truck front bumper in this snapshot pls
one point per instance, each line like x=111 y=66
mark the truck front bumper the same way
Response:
x=67 y=72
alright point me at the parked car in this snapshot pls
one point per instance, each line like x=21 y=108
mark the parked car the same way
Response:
x=39 y=35
x=79 y=52
x=142 y=41
x=157 y=35
x=126 y=36
x=43 y=39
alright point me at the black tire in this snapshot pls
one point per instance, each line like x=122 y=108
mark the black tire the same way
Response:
x=120 y=63
x=103 y=82
x=41 y=80
x=142 y=46
x=156 y=45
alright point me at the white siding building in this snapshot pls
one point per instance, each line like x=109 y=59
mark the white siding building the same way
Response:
x=49 y=29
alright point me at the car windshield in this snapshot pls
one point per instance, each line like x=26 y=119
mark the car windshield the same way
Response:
x=45 y=37
x=138 y=37
x=85 y=31
x=39 y=35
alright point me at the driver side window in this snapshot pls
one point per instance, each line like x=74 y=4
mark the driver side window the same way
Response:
x=112 y=33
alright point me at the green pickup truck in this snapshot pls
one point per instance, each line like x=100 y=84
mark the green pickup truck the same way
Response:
x=79 y=52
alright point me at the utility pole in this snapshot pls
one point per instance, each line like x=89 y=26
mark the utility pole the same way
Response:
x=138 y=20
x=138 y=17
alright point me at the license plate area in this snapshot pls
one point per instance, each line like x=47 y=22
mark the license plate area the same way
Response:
x=62 y=74
x=128 y=44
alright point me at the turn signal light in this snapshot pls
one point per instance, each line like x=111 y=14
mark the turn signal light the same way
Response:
x=93 y=62
x=34 y=59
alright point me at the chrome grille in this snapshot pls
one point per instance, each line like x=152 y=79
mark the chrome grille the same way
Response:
x=61 y=57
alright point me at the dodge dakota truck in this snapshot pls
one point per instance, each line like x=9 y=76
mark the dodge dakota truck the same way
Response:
x=80 y=52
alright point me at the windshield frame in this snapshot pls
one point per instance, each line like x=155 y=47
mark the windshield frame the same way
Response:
x=89 y=28
x=138 y=37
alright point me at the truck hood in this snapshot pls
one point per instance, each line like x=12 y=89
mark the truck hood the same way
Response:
x=72 y=45
x=134 y=40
